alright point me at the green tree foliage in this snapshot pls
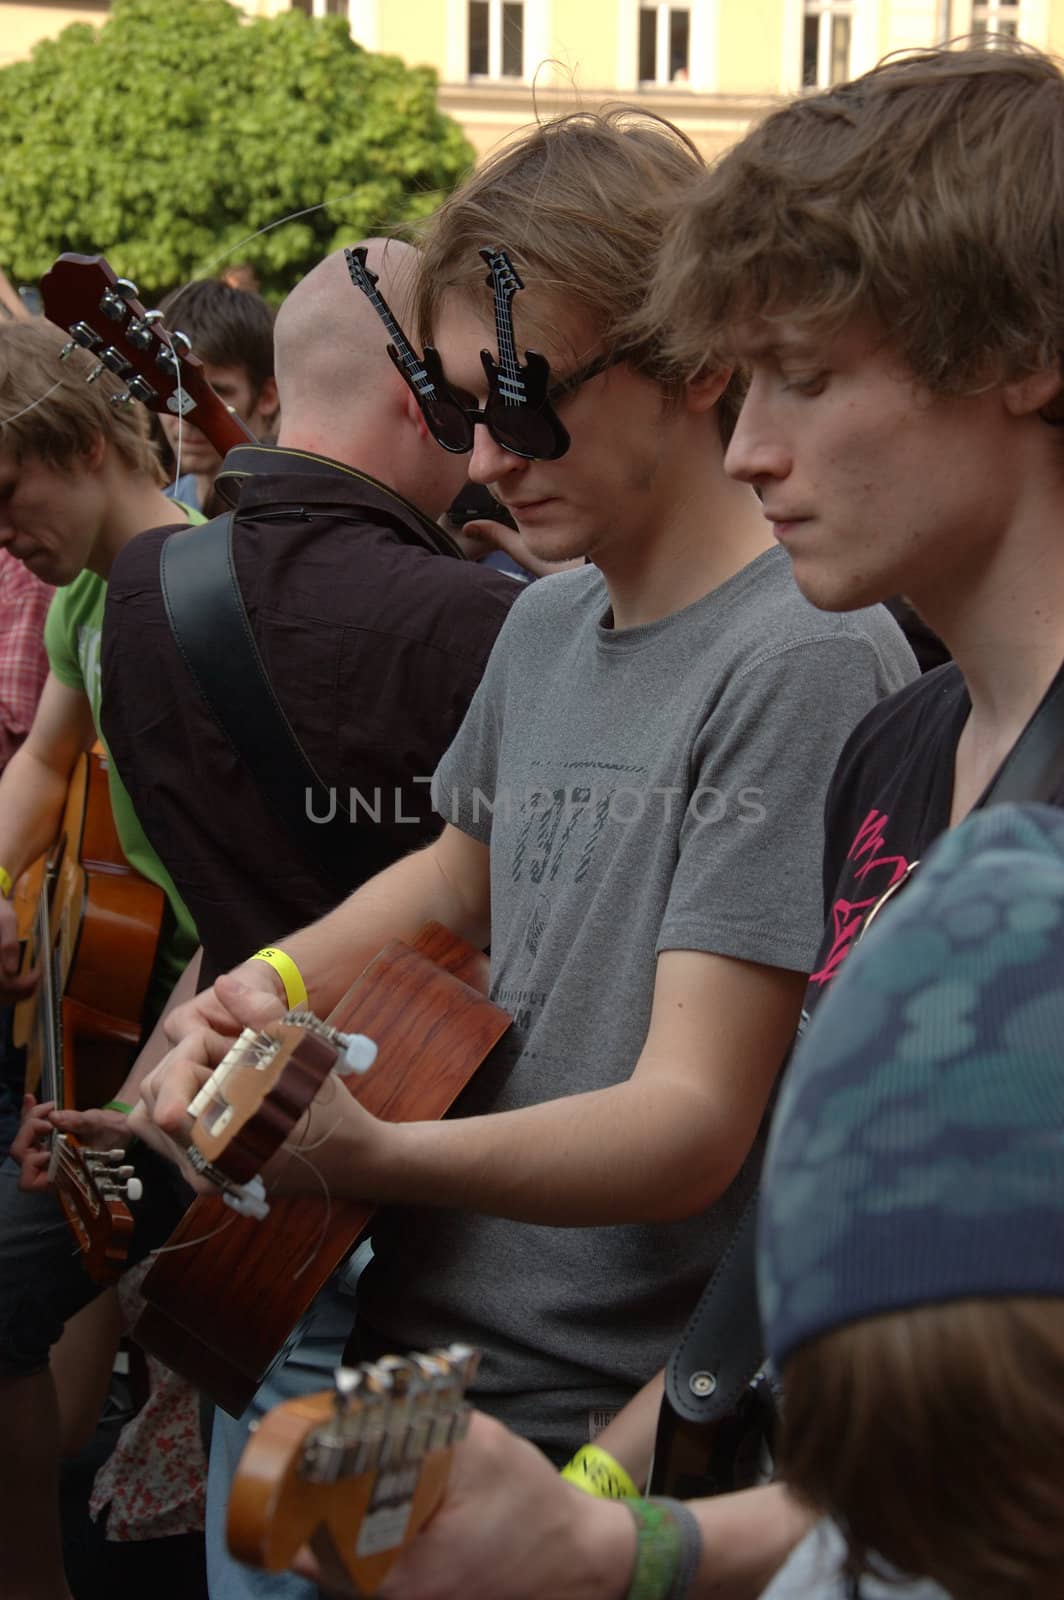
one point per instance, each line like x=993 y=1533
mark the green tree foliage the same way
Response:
x=166 y=137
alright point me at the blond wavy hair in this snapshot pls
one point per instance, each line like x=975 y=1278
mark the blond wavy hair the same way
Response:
x=935 y=1438
x=579 y=204
x=48 y=411
x=929 y=192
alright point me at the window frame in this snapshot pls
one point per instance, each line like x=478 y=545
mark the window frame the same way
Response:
x=495 y=72
x=662 y=43
x=826 y=12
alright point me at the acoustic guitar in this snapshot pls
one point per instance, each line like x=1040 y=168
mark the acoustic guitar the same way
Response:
x=221 y=1307
x=93 y=937
x=102 y=313
x=355 y=1472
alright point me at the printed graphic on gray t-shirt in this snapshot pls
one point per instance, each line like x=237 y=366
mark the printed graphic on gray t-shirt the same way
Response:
x=659 y=788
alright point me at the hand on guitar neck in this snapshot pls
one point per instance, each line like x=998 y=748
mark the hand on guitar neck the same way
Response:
x=350 y=1476
x=258 y=1097
x=506 y=1527
x=32 y=1145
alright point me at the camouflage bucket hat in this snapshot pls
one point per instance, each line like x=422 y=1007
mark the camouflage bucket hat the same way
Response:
x=917 y=1150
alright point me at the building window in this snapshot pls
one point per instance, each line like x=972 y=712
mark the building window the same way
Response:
x=496 y=39
x=1001 y=17
x=826 y=41
x=322 y=8
x=664 y=44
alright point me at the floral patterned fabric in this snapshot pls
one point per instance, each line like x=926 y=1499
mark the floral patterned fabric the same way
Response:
x=155 y=1479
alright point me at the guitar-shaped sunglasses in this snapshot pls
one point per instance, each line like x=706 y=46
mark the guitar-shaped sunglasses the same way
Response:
x=519 y=412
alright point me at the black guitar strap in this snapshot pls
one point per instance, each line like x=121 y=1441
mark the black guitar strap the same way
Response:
x=721 y=1348
x=210 y=625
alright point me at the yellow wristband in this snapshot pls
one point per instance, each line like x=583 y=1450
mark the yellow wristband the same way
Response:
x=595 y=1471
x=5 y=883
x=294 y=988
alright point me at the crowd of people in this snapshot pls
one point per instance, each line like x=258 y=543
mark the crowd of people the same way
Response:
x=677 y=770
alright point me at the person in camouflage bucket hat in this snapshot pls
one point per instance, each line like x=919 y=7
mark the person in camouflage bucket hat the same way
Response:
x=911 y=1234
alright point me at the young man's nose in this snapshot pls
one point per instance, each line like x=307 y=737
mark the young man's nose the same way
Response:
x=757 y=452
x=489 y=462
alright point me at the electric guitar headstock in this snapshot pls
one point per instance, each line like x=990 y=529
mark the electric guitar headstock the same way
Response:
x=102 y=313
x=355 y=1472
x=257 y=1094
x=518 y=385
x=93 y=1187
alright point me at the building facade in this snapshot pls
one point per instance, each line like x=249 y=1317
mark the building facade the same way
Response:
x=713 y=66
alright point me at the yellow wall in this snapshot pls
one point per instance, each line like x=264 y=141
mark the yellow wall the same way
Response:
x=750 y=46
x=415 y=30
x=583 y=40
x=22 y=25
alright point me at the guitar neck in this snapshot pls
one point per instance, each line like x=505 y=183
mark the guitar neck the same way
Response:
x=198 y=403
x=367 y=282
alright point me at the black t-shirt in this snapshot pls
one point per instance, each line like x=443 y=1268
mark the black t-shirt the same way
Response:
x=888 y=801
x=374 y=632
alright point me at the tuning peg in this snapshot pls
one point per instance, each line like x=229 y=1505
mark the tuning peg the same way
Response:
x=97 y=372
x=122 y=400
x=181 y=343
x=134 y=1189
x=142 y=390
x=141 y=333
x=115 y=361
x=127 y=288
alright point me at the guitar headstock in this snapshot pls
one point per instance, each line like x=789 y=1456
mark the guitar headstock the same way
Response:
x=93 y=1187
x=502 y=274
x=362 y=276
x=102 y=313
x=259 y=1091
x=354 y=1472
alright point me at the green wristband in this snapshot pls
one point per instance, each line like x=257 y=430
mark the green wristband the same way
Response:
x=668 y=1546
x=117 y=1105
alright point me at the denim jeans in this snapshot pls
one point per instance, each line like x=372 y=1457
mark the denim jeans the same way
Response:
x=309 y=1366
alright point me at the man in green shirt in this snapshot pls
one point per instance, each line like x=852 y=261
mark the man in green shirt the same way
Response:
x=78 y=480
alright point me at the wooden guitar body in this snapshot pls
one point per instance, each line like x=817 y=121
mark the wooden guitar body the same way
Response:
x=352 y=1474
x=220 y=1312
x=104 y=920
x=92 y=926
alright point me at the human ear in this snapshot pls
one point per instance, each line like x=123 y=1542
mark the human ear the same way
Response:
x=267 y=405
x=1041 y=391
x=92 y=456
x=702 y=392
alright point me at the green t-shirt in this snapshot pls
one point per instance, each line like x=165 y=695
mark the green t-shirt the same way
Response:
x=72 y=635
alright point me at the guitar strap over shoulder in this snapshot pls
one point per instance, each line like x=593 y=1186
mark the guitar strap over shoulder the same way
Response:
x=721 y=1347
x=209 y=622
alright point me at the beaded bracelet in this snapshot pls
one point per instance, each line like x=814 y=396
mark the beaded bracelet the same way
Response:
x=668 y=1547
x=5 y=883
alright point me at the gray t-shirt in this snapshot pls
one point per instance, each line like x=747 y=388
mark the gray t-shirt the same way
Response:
x=651 y=789
x=813 y=1573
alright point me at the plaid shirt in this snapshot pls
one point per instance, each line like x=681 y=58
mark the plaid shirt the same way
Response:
x=24 y=602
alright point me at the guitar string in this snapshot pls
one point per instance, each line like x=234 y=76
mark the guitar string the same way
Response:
x=167 y=1249
x=32 y=405
x=323 y=1230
